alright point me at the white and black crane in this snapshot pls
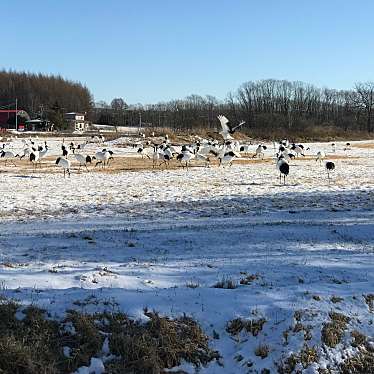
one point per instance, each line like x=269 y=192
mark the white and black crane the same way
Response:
x=228 y=157
x=83 y=160
x=103 y=157
x=142 y=151
x=65 y=164
x=185 y=156
x=330 y=166
x=298 y=149
x=260 y=151
x=34 y=158
x=320 y=156
x=283 y=168
x=8 y=156
x=227 y=128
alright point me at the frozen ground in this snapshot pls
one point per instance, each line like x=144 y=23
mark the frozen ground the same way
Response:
x=163 y=238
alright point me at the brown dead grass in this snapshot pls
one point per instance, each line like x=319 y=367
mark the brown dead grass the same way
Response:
x=361 y=363
x=336 y=299
x=306 y=357
x=30 y=345
x=132 y=163
x=161 y=343
x=249 y=278
x=34 y=344
x=226 y=283
x=363 y=145
x=262 y=351
x=359 y=339
x=333 y=332
x=86 y=342
x=235 y=326
x=369 y=300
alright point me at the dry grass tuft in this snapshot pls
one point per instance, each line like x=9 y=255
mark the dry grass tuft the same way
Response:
x=288 y=365
x=361 y=363
x=30 y=345
x=192 y=285
x=86 y=342
x=262 y=351
x=339 y=317
x=158 y=344
x=359 y=339
x=249 y=278
x=336 y=299
x=306 y=357
x=33 y=344
x=235 y=326
x=297 y=315
x=226 y=283
x=369 y=300
x=332 y=332
x=299 y=327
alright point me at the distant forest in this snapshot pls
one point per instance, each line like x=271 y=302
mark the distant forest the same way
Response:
x=43 y=96
x=269 y=107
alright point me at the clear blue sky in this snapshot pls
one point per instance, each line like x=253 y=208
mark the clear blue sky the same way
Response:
x=153 y=50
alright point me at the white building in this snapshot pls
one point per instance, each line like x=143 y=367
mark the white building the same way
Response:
x=76 y=121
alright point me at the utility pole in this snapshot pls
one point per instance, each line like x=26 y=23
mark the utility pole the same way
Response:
x=16 y=114
x=41 y=111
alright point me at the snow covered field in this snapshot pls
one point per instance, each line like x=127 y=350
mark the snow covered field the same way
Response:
x=168 y=239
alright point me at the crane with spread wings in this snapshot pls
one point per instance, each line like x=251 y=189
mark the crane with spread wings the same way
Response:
x=227 y=128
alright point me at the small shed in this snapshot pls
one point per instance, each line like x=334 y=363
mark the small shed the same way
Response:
x=38 y=125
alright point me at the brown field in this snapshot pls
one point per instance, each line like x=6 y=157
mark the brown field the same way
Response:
x=133 y=163
x=363 y=145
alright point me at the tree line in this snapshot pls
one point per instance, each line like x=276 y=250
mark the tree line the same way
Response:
x=43 y=96
x=268 y=106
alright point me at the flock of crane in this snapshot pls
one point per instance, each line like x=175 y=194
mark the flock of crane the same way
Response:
x=161 y=154
x=36 y=153
x=226 y=152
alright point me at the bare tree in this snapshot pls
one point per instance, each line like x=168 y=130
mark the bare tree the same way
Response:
x=118 y=104
x=365 y=100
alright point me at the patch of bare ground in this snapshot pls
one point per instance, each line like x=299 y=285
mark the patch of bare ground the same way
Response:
x=329 y=157
x=118 y=165
x=130 y=163
x=363 y=145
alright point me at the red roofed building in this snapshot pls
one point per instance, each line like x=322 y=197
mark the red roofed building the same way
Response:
x=8 y=119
